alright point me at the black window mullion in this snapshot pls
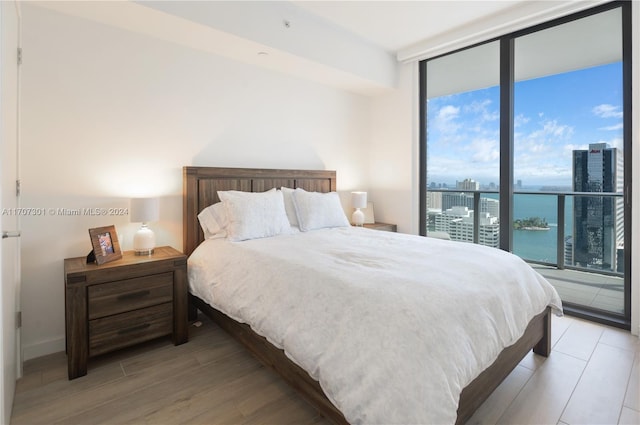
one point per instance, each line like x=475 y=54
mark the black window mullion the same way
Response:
x=627 y=144
x=506 y=142
x=423 y=148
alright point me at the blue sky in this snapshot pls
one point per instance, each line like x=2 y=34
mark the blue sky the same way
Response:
x=553 y=116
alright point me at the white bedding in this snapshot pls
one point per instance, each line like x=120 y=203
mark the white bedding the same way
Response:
x=393 y=326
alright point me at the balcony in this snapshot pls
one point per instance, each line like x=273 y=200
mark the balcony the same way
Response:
x=584 y=262
x=589 y=289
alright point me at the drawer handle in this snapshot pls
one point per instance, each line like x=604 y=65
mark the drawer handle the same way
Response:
x=134 y=329
x=132 y=295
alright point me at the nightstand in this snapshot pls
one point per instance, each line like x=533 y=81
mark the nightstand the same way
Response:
x=123 y=302
x=382 y=226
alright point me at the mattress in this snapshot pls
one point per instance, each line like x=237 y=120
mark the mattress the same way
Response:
x=392 y=326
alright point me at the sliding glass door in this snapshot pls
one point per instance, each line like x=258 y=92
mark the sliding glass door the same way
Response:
x=554 y=157
x=568 y=141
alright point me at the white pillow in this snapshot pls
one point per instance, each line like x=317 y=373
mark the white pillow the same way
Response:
x=254 y=215
x=289 y=207
x=317 y=210
x=213 y=221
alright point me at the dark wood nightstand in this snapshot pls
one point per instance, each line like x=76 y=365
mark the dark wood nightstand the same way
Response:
x=123 y=302
x=382 y=226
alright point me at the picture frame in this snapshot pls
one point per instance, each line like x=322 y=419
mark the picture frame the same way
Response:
x=368 y=214
x=104 y=241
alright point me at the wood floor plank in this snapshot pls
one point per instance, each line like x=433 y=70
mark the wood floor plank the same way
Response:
x=498 y=402
x=559 y=326
x=283 y=412
x=632 y=398
x=224 y=413
x=214 y=401
x=96 y=395
x=629 y=417
x=49 y=397
x=598 y=396
x=213 y=380
x=620 y=338
x=532 y=361
x=545 y=395
x=580 y=339
x=183 y=383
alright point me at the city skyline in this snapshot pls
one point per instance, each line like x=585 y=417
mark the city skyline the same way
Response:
x=554 y=116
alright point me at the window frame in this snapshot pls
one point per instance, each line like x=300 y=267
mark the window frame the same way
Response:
x=506 y=193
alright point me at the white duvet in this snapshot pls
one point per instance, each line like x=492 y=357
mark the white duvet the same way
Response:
x=393 y=326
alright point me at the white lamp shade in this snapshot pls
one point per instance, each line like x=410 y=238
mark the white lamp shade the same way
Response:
x=144 y=210
x=359 y=199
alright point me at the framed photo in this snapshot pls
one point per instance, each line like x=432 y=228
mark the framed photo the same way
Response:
x=104 y=241
x=368 y=214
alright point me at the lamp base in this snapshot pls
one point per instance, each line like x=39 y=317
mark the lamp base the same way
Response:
x=145 y=252
x=357 y=218
x=144 y=241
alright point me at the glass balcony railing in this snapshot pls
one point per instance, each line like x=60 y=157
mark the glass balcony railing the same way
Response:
x=574 y=239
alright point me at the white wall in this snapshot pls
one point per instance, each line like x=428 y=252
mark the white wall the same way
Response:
x=109 y=114
x=393 y=153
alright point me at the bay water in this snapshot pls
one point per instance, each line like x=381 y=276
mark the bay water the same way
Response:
x=539 y=245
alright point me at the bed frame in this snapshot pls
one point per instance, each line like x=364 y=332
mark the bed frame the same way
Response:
x=200 y=186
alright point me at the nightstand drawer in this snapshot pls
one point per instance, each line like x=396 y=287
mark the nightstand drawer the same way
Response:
x=109 y=333
x=125 y=295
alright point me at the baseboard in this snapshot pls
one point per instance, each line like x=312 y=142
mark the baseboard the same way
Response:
x=42 y=348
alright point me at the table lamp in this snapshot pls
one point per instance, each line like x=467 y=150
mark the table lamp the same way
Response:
x=358 y=200
x=144 y=210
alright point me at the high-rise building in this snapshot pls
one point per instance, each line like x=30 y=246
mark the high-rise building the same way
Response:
x=468 y=184
x=434 y=200
x=457 y=222
x=456 y=199
x=598 y=220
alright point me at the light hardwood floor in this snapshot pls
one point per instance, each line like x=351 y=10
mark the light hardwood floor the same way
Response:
x=590 y=377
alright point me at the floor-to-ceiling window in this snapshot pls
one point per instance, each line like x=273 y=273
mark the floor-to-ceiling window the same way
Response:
x=463 y=149
x=530 y=126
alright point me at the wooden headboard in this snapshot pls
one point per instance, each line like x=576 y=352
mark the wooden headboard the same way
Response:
x=201 y=185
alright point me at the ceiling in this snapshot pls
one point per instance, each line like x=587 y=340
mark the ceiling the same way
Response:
x=350 y=45
x=397 y=25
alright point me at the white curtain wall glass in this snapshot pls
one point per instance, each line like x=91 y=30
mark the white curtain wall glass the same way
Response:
x=518 y=133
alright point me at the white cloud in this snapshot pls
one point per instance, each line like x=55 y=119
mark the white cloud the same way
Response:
x=549 y=133
x=448 y=113
x=567 y=151
x=616 y=142
x=606 y=110
x=445 y=122
x=571 y=147
x=612 y=127
x=485 y=150
x=482 y=109
x=520 y=120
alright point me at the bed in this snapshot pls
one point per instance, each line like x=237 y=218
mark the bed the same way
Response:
x=201 y=186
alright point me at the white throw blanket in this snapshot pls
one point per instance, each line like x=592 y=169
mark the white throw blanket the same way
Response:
x=393 y=326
